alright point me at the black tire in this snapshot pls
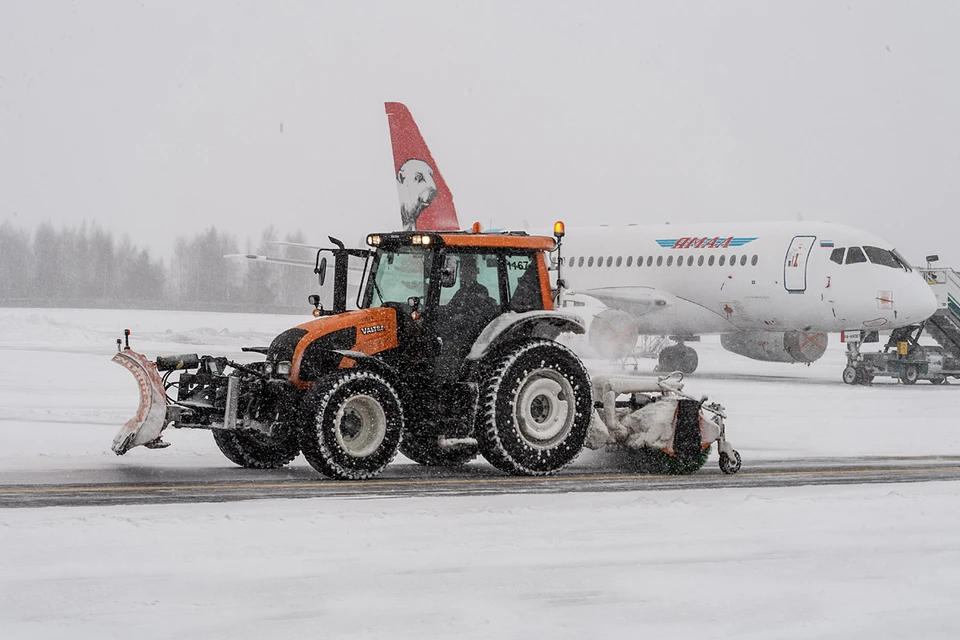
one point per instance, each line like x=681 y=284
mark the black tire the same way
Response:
x=257 y=450
x=426 y=451
x=851 y=375
x=527 y=424
x=659 y=463
x=864 y=376
x=938 y=380
x=351 y=425
x=689 y=360
x=910 y=375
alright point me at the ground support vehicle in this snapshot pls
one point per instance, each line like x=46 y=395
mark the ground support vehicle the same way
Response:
x=903 y=358
x=663 y=429
x=450 y=354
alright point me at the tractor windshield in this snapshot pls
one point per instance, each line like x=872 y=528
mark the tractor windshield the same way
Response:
x=398 y=275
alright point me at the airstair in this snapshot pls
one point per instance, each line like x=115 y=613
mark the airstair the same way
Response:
x=944 y=325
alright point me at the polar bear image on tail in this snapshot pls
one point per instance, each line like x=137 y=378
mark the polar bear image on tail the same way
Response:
x=417 y=190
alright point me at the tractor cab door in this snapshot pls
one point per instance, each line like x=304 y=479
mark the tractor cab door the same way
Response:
x=469 y=298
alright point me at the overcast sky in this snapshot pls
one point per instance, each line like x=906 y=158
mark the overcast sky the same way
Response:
x=159 y=118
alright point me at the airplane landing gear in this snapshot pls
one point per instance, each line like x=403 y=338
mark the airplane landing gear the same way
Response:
x=678 y=357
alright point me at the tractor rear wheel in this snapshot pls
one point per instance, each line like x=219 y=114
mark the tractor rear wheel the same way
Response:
x=536 y=404
x=426 y=450
x=257 y=450
x=352 y=421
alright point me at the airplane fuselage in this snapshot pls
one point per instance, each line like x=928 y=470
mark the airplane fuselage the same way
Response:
x=722 y=278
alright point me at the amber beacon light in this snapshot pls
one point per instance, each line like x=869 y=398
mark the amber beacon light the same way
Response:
x=476 y=227
x=558 y=229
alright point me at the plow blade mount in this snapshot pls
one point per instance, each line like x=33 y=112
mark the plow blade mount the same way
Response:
x=145 y=427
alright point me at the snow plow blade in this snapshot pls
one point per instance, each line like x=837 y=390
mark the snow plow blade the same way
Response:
x=145 y=427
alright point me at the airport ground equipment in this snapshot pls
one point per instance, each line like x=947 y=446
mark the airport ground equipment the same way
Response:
x=662 y=429
x=904 y=357
x=451 y=353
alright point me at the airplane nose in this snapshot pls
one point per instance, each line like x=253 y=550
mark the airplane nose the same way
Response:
x=917 y=302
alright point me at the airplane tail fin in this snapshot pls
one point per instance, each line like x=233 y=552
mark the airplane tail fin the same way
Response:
x=426 y=203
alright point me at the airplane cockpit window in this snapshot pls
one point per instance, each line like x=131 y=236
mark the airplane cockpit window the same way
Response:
x=837 y=255
x=885 y=257
x=855 y=255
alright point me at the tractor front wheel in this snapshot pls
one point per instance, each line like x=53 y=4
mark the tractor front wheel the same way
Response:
x=536 y=405
x=352 y=421
x=256 y=450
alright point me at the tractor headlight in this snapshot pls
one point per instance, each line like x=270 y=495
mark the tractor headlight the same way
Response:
x=268 y=368
x=373 y=241
x=283 y=368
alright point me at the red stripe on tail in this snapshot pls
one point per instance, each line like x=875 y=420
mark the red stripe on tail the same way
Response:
x=426 y=203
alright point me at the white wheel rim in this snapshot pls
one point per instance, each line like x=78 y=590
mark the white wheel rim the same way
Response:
x=360 y=426
x=545 y=408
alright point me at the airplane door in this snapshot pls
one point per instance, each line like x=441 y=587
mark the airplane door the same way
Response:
x=795 y=264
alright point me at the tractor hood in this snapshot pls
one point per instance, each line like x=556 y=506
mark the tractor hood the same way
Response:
x=312 y=347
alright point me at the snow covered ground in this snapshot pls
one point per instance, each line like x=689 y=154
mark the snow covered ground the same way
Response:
x=812 y=562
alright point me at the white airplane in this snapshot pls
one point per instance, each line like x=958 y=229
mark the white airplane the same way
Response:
x=772 y=290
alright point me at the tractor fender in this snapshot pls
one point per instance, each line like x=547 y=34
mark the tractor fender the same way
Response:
x=369 y=362
x=529 y=324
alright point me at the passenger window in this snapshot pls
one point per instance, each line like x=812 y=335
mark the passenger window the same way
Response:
x=659 y=260
x=649 y=261
x=837 y=255
x=855 y=255
x=619 y=260
x=753 y=260
x=580 y=262
x=600 y=261
x=680 y=261
x=669 y=261
x=700 y=261
x=722 y=260
x=629 y=260
x=710 y=261
x=733 y=261
x=743 y=260
x=590 y=262
x=690 y=261
x=523 y=284
x=609 y=260
x=572 y=262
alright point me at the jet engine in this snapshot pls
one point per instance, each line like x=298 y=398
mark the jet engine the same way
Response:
x=770 y=346
x=613 y=334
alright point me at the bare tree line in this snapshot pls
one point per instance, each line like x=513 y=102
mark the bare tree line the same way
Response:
x=86 y=266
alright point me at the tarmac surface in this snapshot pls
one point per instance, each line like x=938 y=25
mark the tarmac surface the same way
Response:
x=159 y=485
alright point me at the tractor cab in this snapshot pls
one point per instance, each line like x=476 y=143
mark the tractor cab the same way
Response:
x=446 y=288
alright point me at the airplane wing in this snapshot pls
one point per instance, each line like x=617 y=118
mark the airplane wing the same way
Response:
x=636 y=301
x=309 y=264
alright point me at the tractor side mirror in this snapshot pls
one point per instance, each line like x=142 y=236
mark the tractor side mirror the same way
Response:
x=322 y=270
x=448 y=274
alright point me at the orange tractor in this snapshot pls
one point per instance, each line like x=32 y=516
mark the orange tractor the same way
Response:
x=450 y=354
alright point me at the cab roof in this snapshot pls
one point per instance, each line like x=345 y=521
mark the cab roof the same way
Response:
x=499 y=240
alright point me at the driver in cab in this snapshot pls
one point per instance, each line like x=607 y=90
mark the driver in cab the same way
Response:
x=467 y=313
